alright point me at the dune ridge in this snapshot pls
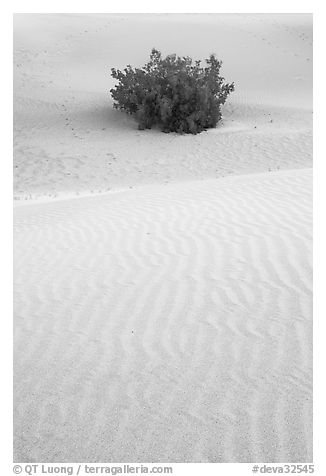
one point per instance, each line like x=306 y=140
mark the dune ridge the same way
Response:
x=149 y=317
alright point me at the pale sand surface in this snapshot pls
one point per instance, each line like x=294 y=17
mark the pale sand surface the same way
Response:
x=170 y=320
x=170 y=323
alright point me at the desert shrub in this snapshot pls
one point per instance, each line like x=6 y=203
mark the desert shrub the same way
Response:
x=173 y=93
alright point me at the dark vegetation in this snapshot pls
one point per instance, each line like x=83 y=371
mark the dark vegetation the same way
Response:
x=173 y=93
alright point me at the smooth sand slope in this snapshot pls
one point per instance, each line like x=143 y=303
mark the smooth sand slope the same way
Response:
x=167 y=324
x=169 y=320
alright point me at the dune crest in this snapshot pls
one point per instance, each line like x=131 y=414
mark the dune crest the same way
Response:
x=147 y=318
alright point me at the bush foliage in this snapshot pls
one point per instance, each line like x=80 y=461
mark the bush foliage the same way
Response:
x=173 y=93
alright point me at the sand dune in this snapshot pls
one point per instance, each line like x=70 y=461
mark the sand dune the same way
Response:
x=162 y=282
x=169 y=323
x=68 y=137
